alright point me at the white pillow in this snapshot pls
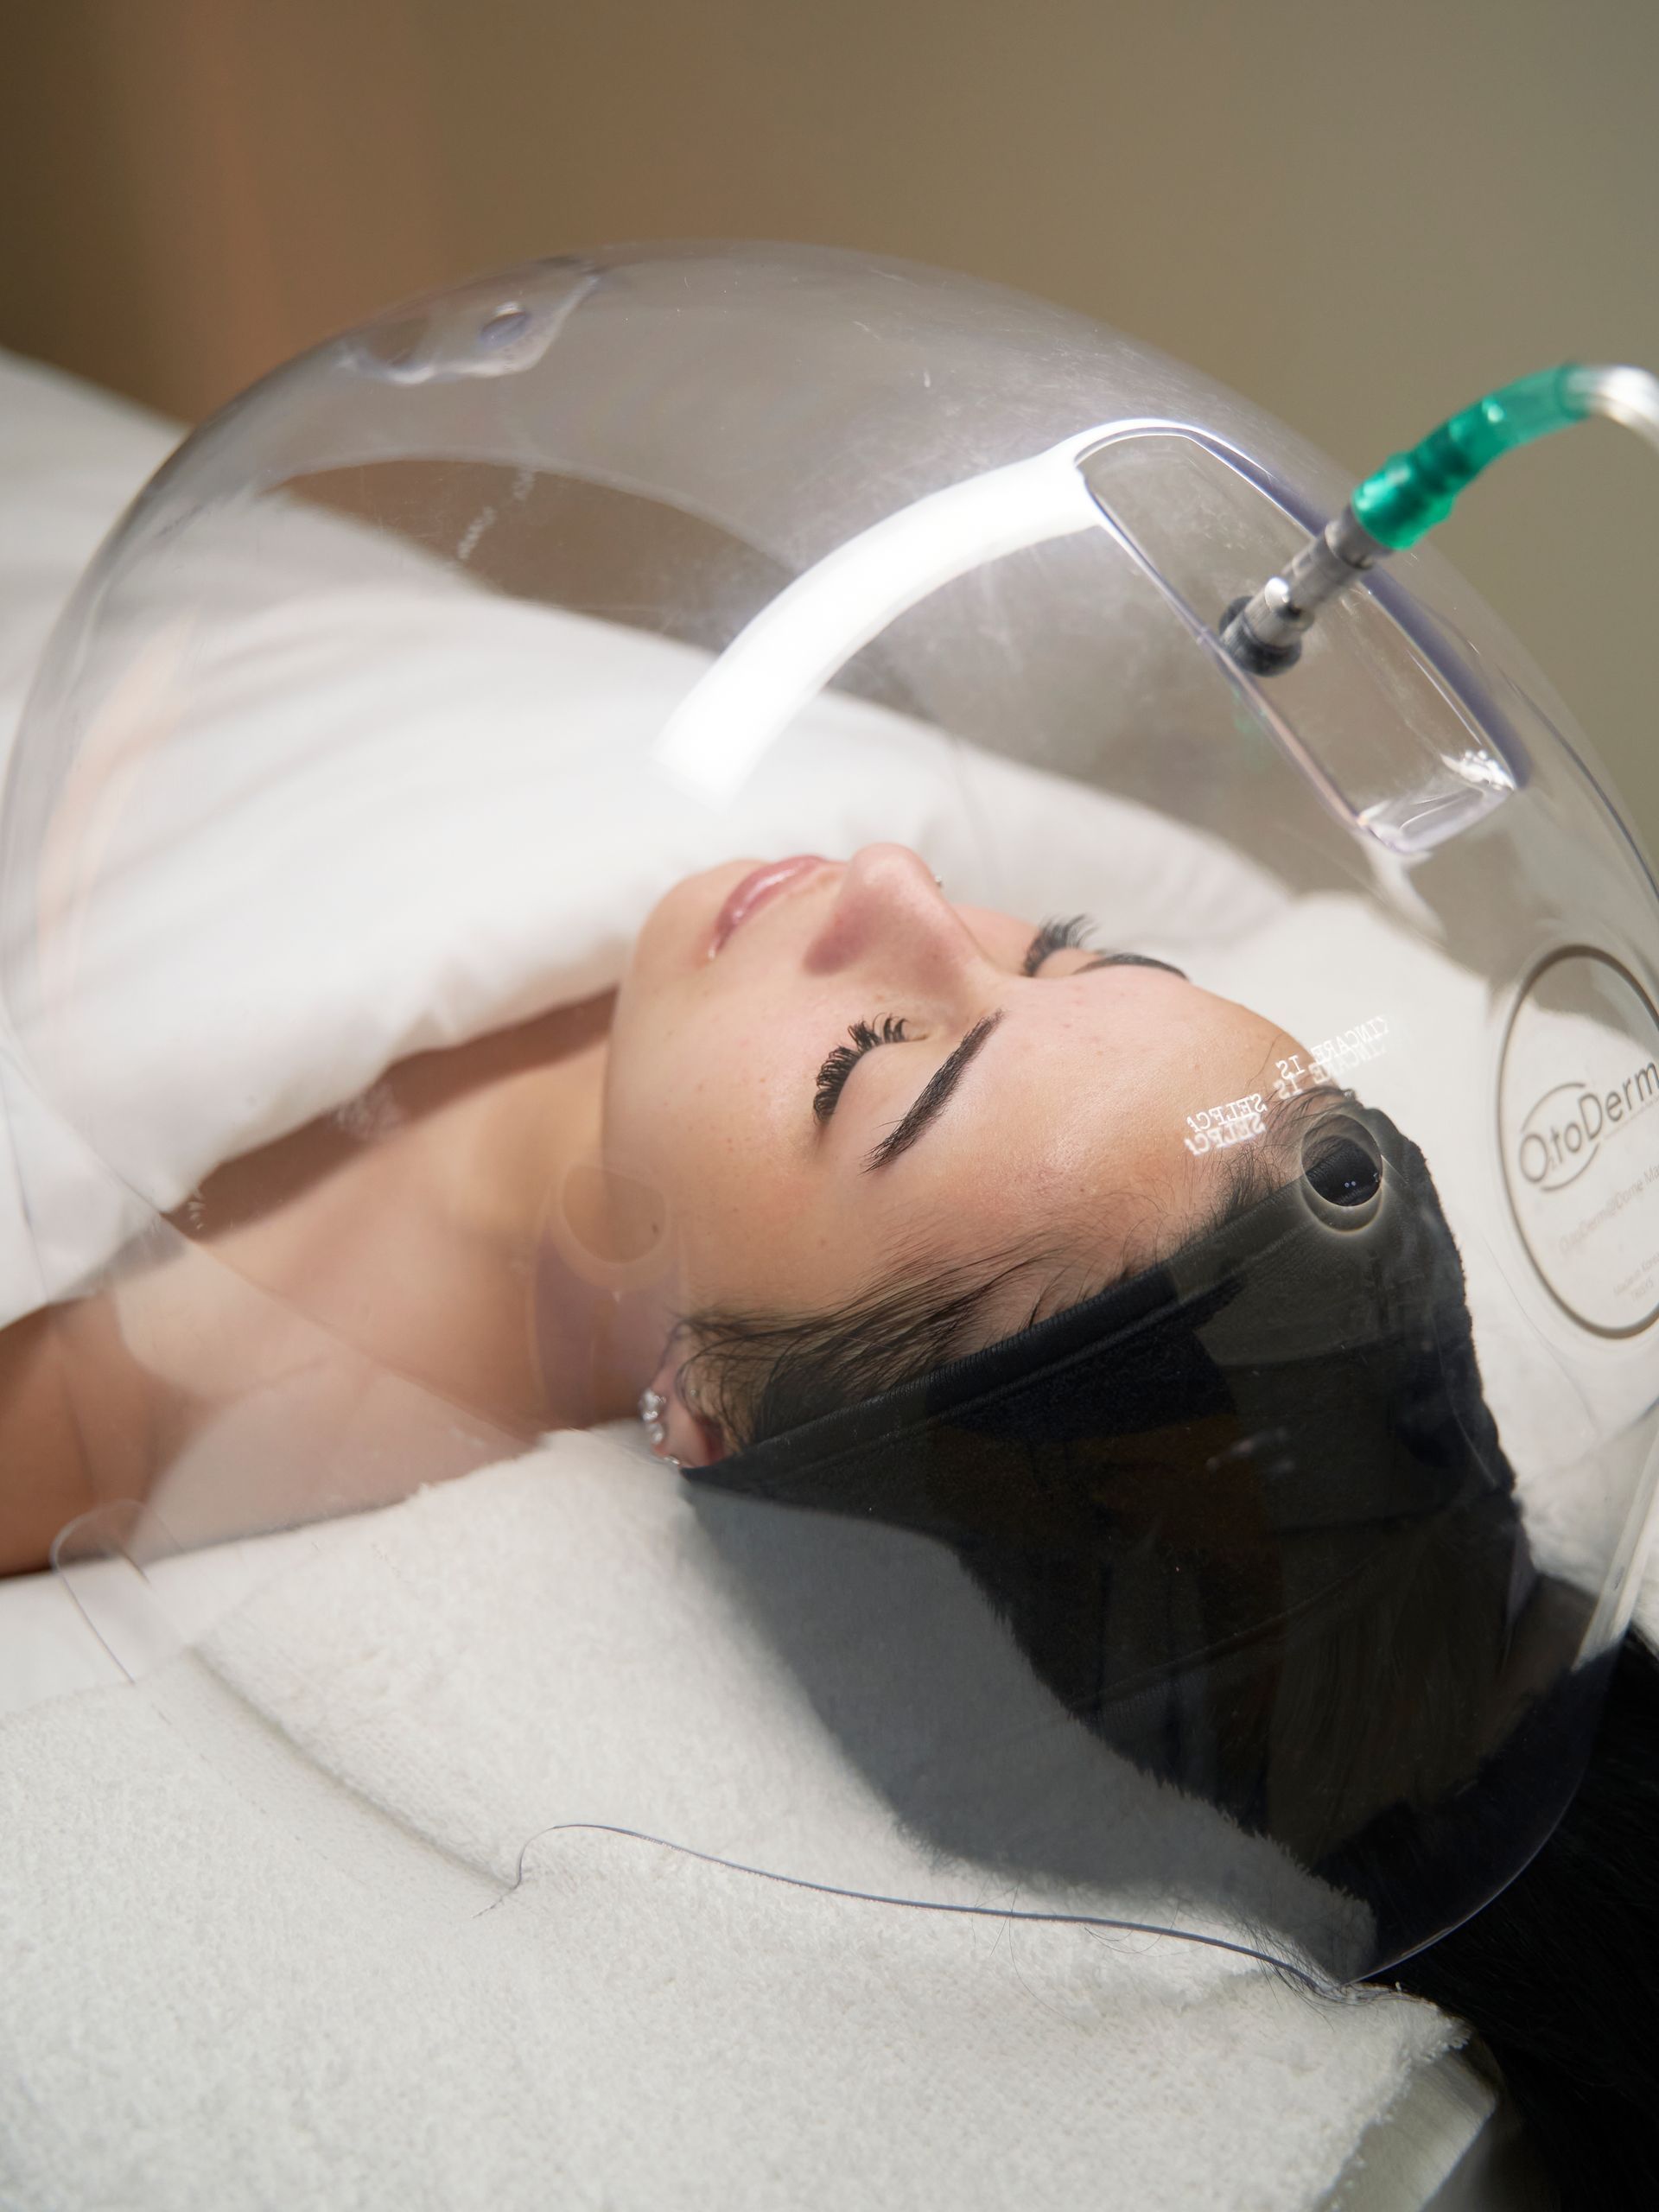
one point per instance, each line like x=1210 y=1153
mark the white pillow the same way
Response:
x=332 y=804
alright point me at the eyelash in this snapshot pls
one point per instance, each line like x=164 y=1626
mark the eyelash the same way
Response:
x=832 y=1076
x=1063 y=933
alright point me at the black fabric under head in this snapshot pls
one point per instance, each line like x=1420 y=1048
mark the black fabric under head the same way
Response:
x=1244 y=1517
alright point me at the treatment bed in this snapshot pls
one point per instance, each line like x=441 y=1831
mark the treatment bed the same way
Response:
x=330 y=1933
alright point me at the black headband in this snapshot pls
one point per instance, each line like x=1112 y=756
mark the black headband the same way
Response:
x=1308 y=1336
x=1257 y=1478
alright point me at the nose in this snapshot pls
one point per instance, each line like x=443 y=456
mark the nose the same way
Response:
x=890 y=914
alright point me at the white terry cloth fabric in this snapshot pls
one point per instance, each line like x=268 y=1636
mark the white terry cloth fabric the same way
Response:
x=555 y=1641
x=233 y=1982
x=241 y=1973
x=205 y=2012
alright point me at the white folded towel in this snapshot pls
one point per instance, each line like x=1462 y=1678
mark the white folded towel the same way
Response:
x=233 y=1981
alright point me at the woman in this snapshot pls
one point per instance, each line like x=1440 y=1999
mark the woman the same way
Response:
x=891 y=1210
x=522 y=1225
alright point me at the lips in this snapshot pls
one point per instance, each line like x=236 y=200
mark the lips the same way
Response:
x=757 y=888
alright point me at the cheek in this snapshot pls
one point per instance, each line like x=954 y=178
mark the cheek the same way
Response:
x=710 y=1105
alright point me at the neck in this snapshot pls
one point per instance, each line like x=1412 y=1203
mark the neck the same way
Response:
x=529 y=1175
x=532 y=1122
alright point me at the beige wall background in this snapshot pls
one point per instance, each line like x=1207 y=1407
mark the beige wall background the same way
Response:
x=1359 y=215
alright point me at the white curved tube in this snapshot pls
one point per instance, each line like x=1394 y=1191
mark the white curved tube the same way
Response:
x=719 y=732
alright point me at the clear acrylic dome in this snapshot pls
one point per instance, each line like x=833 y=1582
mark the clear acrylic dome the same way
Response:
x=419 y=679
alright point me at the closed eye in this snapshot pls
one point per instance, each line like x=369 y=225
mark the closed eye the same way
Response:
x=1068 y=933
x=1071 y=932
x=1060 y=933
x=865 y=1037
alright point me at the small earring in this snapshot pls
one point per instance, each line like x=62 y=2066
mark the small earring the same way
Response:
x=652 y=1406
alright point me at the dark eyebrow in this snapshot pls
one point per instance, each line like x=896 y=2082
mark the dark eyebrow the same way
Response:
x=930 y=1101
x=1130 y=960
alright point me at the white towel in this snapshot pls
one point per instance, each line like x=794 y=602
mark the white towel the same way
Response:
x=233 y=1982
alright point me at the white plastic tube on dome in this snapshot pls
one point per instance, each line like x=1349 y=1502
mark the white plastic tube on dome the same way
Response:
x=718 y=734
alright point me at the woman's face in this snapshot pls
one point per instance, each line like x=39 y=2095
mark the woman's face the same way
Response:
x=830 y=1072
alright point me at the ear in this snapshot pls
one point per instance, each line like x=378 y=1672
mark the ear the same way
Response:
x=685 y=1438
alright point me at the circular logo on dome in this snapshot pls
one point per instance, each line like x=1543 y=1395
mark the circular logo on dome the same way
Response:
x=1578 y=1112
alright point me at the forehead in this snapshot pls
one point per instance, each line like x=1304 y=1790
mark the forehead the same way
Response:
x=1099 y=1107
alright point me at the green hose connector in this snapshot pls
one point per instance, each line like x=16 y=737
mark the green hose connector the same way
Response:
x=1264 y=633
x=1414 y=490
